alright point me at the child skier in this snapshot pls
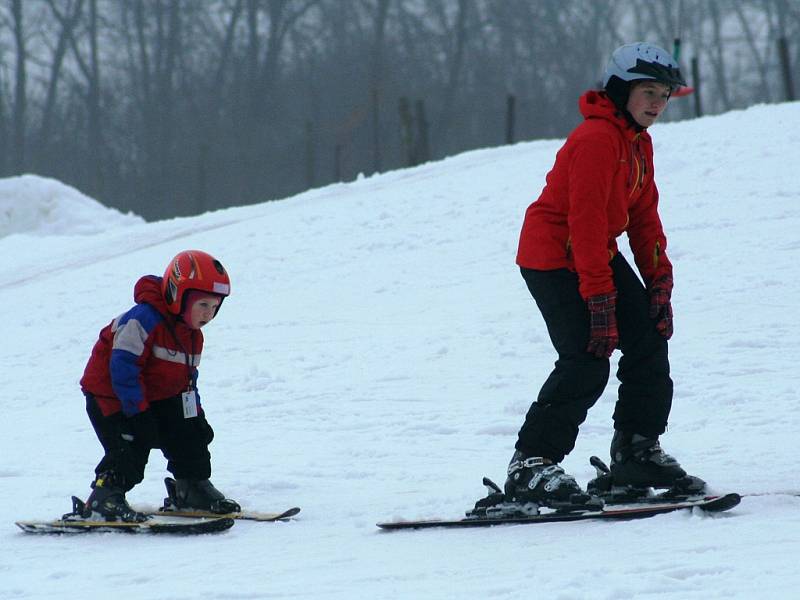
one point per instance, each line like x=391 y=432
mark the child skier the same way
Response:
x=141 y=388
x=591 y=300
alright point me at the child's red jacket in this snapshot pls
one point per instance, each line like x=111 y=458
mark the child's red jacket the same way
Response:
x=143 y=356
x=600 y=186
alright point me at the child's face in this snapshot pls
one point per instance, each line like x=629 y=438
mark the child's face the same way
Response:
x=646 y=102
x=203 y=311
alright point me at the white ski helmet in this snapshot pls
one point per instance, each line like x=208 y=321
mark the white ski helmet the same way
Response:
x=641 y=60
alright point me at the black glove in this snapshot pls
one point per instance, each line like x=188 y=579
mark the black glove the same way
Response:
x=140 y=429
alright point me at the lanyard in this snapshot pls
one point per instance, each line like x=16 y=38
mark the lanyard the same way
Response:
x=189 y=364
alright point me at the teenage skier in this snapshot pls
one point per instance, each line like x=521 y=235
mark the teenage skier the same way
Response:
x=601 y=186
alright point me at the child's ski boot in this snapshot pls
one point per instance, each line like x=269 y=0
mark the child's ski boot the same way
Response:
x=197 y=494
x=108 y=500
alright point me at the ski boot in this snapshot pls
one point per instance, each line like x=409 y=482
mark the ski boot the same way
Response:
x=197 y=494
x=638 y=464
x=108 y=500
x=538 y=481
x=495 y=505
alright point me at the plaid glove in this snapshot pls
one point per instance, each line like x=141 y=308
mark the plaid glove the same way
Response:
x=660 y=305
x=603 y=334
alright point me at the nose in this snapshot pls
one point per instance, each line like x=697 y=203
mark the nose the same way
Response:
x=659 y=101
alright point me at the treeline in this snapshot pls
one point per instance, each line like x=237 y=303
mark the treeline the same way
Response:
x=174 y=107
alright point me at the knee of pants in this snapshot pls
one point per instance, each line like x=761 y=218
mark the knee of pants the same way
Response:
x=578 y=383
x=649 y=357
x=645 y=342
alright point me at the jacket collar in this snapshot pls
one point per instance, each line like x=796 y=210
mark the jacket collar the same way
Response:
x=596 y=104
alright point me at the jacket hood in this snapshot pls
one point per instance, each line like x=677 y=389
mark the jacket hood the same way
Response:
x=595 y=104
x=148 y=291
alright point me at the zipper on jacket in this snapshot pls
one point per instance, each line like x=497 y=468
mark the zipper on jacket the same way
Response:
x=638 y=166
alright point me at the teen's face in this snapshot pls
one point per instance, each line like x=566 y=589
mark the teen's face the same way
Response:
x=647 y=101
x=202 y=311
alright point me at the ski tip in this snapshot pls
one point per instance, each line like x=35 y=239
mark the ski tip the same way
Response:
x=218 y=525
x=723 y=502
x=394 y=525
x=288 y=513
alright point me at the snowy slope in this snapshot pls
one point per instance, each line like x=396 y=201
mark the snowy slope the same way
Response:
x=376 y=359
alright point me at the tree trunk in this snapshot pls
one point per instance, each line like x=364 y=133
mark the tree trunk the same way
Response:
x=20 y=94
x=94 y=108
x=453 y=77
x=377 y=82
x=67 y=22
x=718 y=54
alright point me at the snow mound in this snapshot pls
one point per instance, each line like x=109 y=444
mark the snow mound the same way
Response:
x=42 y=206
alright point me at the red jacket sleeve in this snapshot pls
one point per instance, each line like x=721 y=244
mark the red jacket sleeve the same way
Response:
x=646 y=236
x=591 y=172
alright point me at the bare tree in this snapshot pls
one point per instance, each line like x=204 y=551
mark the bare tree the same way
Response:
x=4 y=144
x=171 y=107
x=454 y=36
x=67 y=21
x=19 y=161
x=717 y=55
x=90 y=68
x=376 y=87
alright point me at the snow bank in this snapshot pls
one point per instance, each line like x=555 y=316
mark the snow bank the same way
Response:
x=42 y=206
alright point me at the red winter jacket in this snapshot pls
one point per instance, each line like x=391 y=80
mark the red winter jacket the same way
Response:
x=143 y=356
x=600 y=186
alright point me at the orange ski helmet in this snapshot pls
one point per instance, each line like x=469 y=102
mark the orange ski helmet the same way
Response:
x=193 y=270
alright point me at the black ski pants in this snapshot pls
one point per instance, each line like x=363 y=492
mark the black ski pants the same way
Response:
x=184 y=443
x=579 y=378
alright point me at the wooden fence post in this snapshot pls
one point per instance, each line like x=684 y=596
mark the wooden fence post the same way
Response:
x=511 y=102
x=786 y=68
x=337 y=163
x=407 y=131
x=698 y=107
x=377 y=159
x=310 y=155
x=423 y=153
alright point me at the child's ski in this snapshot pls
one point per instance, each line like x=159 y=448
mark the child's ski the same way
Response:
x=248 y=515
x=155 y=524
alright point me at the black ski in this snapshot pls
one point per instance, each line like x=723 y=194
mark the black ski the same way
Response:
x=76 y=522
x=709 y=504
x=157 y=524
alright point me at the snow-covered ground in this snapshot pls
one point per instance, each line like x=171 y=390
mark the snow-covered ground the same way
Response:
x=376 y=359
